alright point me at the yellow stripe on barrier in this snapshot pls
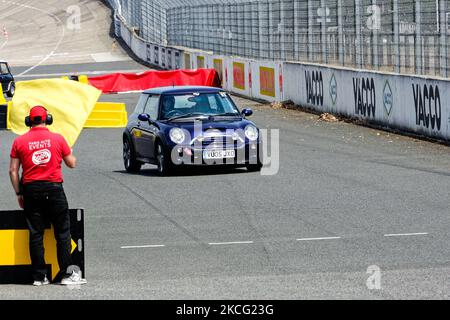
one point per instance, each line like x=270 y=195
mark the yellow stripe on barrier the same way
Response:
x=15 y=250
x=107 y=115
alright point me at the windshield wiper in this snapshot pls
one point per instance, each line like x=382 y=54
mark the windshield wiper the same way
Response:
x=226 y=114
x=188 y=115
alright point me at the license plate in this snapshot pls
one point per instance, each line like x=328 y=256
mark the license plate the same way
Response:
x=219 y=154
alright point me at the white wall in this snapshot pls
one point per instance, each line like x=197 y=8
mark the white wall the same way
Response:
x=411 y=103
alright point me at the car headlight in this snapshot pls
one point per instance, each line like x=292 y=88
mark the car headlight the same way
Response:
x=177 y=135
x=251 y=133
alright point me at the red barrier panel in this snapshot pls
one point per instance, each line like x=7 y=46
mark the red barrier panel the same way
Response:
x=125 y=82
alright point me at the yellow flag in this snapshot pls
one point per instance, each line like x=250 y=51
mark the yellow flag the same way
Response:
x=70 y=103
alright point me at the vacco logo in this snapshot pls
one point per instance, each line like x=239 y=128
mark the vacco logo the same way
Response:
x=41 y=157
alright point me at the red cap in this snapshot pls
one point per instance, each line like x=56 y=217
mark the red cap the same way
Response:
x=38 y=111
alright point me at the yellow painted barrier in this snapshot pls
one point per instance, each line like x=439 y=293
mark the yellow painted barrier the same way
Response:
x=107 y=115
x=15 y=261
x=2 y=99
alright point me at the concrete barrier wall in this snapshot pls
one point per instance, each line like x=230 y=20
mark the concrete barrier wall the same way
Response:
x=406 y=102
x=255 y=79
x=411 y=103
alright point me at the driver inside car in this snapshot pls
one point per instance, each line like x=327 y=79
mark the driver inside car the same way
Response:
x=168 y=105
x=201 y=104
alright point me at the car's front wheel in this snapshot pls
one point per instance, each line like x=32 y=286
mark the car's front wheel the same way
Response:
x=164 y=164
x=129 y=157
x=254 y=167
x=11 y=91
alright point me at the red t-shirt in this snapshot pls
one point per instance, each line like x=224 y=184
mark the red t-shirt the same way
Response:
x=41 y=153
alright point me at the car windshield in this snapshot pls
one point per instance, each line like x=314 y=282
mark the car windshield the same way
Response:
x=195 y=105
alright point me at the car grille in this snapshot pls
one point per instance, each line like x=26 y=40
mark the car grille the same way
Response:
x=219 y=139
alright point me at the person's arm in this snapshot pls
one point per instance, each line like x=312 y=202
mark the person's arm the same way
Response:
x=14 y=167
x=70 y=161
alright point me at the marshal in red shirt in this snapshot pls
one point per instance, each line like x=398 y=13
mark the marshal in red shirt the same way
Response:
x=41 y=153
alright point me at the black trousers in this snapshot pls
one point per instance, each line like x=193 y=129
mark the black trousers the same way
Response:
x=46 y=203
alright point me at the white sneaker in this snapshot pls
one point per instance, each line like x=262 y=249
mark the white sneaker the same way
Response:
x=41 y=283
x=73 y=279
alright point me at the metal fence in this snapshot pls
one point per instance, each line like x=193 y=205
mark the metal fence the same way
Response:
x=148 y=18
x=406 y=36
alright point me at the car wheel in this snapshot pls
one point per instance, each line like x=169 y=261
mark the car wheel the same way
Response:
x=254 y=167
x=129 y=157
x=12 y=90
x=164 y=164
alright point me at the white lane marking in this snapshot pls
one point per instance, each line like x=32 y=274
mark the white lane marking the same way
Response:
x=406 y=234
x=80 y=72
x=53 y=55
x=318 y=239
x=146 y=246
x=57 y=44
x=4 y=44
x=229 y=243
x=108 y=57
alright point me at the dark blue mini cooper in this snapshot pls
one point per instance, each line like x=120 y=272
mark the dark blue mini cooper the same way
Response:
x=183 y=126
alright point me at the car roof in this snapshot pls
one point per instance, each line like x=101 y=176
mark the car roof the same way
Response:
x=183 y=90
x=3 y=61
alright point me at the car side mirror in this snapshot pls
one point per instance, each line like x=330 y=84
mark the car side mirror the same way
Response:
x=144 y=117
x=247 y=112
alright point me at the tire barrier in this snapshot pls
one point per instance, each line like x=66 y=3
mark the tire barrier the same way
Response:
x=15 y=262
x=107 y=115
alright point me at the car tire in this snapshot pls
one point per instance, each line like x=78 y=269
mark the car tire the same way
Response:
x=129 y=157
x=164 y=165
x=254 y=167
x=12 y=90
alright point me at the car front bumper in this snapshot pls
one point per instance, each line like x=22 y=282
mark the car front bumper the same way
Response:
x=246 y=154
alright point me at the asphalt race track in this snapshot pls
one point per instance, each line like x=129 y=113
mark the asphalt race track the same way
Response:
x=346 y=199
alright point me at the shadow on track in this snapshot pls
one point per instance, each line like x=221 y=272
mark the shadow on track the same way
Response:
x=191 y=172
